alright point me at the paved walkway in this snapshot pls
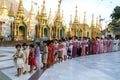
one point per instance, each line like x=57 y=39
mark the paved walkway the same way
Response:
x=93 y=67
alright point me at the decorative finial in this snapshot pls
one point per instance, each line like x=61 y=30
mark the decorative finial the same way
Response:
x=76 y=15
x=11 y=11
x=84 y=20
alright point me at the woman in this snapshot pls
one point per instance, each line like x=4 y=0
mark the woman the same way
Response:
x=74 y=51
x=84 y=42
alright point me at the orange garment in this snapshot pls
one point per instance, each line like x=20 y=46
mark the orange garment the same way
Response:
x=60 y=46
x=50 y=54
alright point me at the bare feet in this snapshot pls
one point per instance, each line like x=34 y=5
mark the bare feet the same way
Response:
x=17 y=75
x=24 y=72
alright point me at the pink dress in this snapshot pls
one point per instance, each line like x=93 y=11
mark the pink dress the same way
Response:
x=93 y=47
x=74 y=50
x=97 y=46
x=109 y=46
x=101 y=46
x=84 y=42
x=105 y=45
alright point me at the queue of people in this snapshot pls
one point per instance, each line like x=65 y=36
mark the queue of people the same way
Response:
x=57 y=51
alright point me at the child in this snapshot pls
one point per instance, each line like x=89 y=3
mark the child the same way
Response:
x=37 y=57
x=31 y=60
x=70 y=51
x=60 y=52
x=18 y=59
x=25 y=69
x=45 y=55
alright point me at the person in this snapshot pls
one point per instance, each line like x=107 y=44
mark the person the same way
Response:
x=101 y=45
x=89 y=46
x=18 y=60
x=109 y=45
x=31 y=59
x=115 y=46
x=119 y=44
x=86 y=45
x=50 y=59
x=25 y=69
x=37 y=57
x=70 y=51
x=74 y=51
x=97 y=45
x=79 y=47
x=84 y=42
x=45 y=55
x=56 y=50
x=60 y=51
x=52 y=53
x=64 y=55
x=93 y=46
x=105 y=45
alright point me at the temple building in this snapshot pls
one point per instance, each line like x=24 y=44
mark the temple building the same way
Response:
x=20 y=24
x=3 y=17
x=113 y=29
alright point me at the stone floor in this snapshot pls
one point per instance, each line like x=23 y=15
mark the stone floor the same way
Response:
x=93 y=67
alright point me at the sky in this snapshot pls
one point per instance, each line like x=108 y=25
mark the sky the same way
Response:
x=96 y=7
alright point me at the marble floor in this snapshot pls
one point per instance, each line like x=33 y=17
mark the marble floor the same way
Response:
x=93 y=67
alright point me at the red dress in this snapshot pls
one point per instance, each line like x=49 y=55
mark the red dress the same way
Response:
x=31 y=60
x=50 y=54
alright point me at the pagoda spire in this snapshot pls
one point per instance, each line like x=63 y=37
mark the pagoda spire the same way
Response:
x=20 y=11
x=62 y=18
x=58 y=17
x=11 y=11
x=100 y=26
x=49 y=14
x=3 y=8
x=92 y=22
x=50 y=17
x=43 y=11
x=97 y=25
x=84 y=20
x=70 y=20
x=31 y=14
x=93 y=35
x=76 y=15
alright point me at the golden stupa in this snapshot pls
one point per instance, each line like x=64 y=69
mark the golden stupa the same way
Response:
x=25 y=25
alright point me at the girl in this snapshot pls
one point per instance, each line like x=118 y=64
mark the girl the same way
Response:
x=31 y=60
x=37 y=57
x=60 y=52
x=18 y=59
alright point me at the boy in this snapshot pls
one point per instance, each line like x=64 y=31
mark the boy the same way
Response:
x=18 y=59
x=45 y=55
x=25 y=55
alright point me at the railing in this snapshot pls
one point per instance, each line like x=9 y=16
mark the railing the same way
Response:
x=13 y=43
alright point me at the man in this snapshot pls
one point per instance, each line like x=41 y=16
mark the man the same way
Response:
x=25 y=56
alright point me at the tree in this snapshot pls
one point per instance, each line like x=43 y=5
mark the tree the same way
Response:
x=116 y=13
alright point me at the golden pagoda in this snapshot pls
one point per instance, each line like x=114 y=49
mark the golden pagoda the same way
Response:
x=59 y=26
x=92 y=27
x=75 y=24
x=3 y=18
x=26 y=25
x=42 y=29
x=20 y=27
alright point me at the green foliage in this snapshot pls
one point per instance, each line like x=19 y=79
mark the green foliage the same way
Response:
x=116 y=13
